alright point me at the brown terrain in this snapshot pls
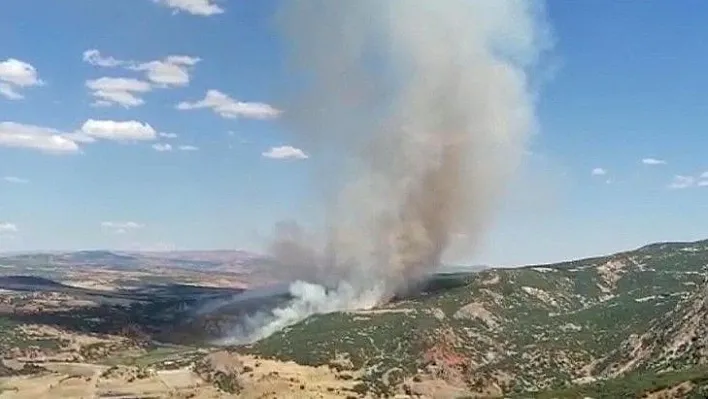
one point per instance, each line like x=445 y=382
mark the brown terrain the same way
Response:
x=628 y=325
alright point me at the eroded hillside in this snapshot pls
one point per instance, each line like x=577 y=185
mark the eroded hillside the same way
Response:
x=522 y=330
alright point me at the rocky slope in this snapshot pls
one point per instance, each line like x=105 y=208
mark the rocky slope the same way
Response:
x=523 y=331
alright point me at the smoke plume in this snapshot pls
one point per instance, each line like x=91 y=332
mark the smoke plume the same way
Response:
x=416 y=113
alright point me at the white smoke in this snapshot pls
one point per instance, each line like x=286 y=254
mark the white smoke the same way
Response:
x=416 y=112
x=308 y=299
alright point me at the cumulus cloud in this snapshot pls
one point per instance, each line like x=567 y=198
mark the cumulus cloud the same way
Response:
x=172 y=71
x=285 y=152
x=703 y=183
x=653 y=161
x=188 y=148
x=168 y=135
x=49 y=140
x=15 y=180
x=162 y=147
x=6 y=227
x=599 y=172
x=194 y=7
x=704 y=175
x=121 y=227
x=18 y=135
x=681 y=182
x=118 y=130
x=16 y=75
x=227 y=107
x=119 y=91
x=19 y=73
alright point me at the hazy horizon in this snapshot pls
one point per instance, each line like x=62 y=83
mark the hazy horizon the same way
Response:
x=158 y=136
x=451 y=265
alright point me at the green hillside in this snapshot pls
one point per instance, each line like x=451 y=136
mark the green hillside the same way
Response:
x=565 y=329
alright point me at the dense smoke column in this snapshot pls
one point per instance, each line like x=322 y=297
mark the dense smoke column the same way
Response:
x=417 y=112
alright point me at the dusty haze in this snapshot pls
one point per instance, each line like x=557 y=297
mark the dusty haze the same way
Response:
x=416 y=114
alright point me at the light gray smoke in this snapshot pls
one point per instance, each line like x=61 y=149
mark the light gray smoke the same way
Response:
x=416 y=112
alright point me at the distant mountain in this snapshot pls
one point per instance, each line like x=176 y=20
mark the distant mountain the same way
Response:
x=232 y=261
x=98 y=258
x=236 y=261
x=616 y=326
x=78 y=258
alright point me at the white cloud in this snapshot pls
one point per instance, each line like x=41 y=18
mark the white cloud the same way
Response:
x=653 y=161
x=227 y=107
x=195 y=7
x=118 y=130
x=15 y=180
x=680 y=182
x=188 y=148
x=6 y=227
x=121 y=91
x=17 y=135
x=48 y=140
x=172 y=71
x=168 y=135
x=285 y=152
x=16 y=74
x=9 y=92
x=598 y=172
x=94 y=57
x=121 y=227
x=19 y=73
x=704 y=181
x=160 y=147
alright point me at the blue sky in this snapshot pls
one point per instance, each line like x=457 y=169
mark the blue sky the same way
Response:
x=616 y=162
